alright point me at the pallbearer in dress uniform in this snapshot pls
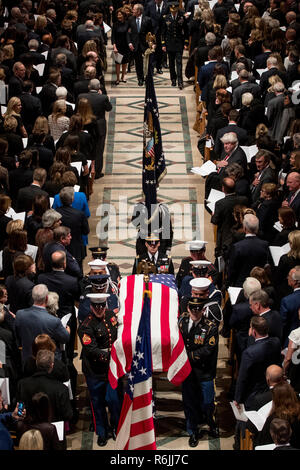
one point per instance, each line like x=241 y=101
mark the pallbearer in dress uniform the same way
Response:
x=97 y=334
x=201 y=340
x=156 y=259
x=100 y=252
x=175 y=38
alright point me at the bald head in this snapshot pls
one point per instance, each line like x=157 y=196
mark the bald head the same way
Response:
x=58 y=259
x=274 y=375
x=293 y=181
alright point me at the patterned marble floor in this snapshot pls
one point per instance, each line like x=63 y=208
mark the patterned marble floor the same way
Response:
x=111 y=207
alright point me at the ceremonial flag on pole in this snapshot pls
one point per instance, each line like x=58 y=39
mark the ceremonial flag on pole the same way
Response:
x=136 y=426
x=154 y=166
x=167 y=346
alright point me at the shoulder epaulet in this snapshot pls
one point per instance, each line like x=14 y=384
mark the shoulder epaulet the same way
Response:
x=87 y=320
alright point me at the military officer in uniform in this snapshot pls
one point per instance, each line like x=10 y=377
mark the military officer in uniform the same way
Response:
x=197 y=250
x=97 y=334
x=175 y=38
x=157 y=259
x=100 y=252
x=97 y=283
x=201 y=340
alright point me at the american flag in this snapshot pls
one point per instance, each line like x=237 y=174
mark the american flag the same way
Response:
x=167 y=346
x=154 y=166
x=136 y=426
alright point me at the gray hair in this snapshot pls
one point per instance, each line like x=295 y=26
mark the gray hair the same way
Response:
x=260 y=296
x=66 y=195
x=244 y=74
x=33 y=44
x=45 y=360
x=296 y=139
x=272 y=61
x=210 y=39
x=140 y=7
x=251 y=223
x=94 y=84
x=251 y=284
x=229 y=137
x=40 y=294
x=52 y=303
x=61 y=92
x=278 y=87
x=50 y=217
x=247 y=99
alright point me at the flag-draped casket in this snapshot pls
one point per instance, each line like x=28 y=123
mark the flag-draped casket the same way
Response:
x=167 y=346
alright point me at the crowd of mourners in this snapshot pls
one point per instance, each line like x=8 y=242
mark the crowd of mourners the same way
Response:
x=53 y=62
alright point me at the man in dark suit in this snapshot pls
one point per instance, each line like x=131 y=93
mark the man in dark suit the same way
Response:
x=201 y=55
x=265 y=174
x=82 y=85
x=245 y=87
x=259 y=303
x=293 y=197
x=87 y=34
x=15 y=84
x=205 y=72
x=290 y=305
x=223 y=216
x=240 y=317
x=37 y=57
x=61 y=240
x=156 y=9
x=272 y=66
x=100 y=105
x=63 y=284
x=41 y=381
x=21 y=176
x=31 y=106
x=255 y=360
x=47 y=94
x=247 y=253
x=274 y=376
x=232 y=126
x=76 y=221
x=260 y=61
x=27 y=194
x=139 y=26
x=66 y=73
x=36 y=320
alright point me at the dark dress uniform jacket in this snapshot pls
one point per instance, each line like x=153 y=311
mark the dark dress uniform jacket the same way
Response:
x=174 y=33
x=201 y=344
x=162 y=260
x=97 y=336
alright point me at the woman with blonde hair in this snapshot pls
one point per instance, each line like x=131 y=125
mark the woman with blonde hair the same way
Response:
x=31 y=440
x=58 y=121
x=14 y=107
x=41 y=133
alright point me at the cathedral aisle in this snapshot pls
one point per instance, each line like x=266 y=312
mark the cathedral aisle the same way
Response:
x=111 y=206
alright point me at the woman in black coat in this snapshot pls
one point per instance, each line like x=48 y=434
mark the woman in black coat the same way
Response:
x=287 y=219
x=20 y=284
x=266 y=209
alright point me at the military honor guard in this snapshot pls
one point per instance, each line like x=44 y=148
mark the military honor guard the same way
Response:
x=154 y=259
x=100 y=252
x=175 y=38
x=97 y=334
x=201 y=340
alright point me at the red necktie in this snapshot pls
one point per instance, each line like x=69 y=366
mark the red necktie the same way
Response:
x=224 y=159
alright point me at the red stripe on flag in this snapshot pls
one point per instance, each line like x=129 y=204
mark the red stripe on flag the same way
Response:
x=112 y=379
x=142 y=400
x=125 y=408
x=141 y=427
x=126 y=334
x=148 y=447
x=182 y=374
x=165 y=327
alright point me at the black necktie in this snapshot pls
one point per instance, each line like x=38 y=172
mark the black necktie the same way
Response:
x=153 y=259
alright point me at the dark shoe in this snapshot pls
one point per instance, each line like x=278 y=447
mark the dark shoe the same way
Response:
x=173 y=82
x=180 y=86
x=117 y=82
x=193 y=440
x=100 y=175
x=165 y=66
x=141 y=82
x=101 y=441
x=113 y=434
x=159 y=71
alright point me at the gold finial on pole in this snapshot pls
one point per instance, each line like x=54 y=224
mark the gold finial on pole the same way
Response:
x=151 y=40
